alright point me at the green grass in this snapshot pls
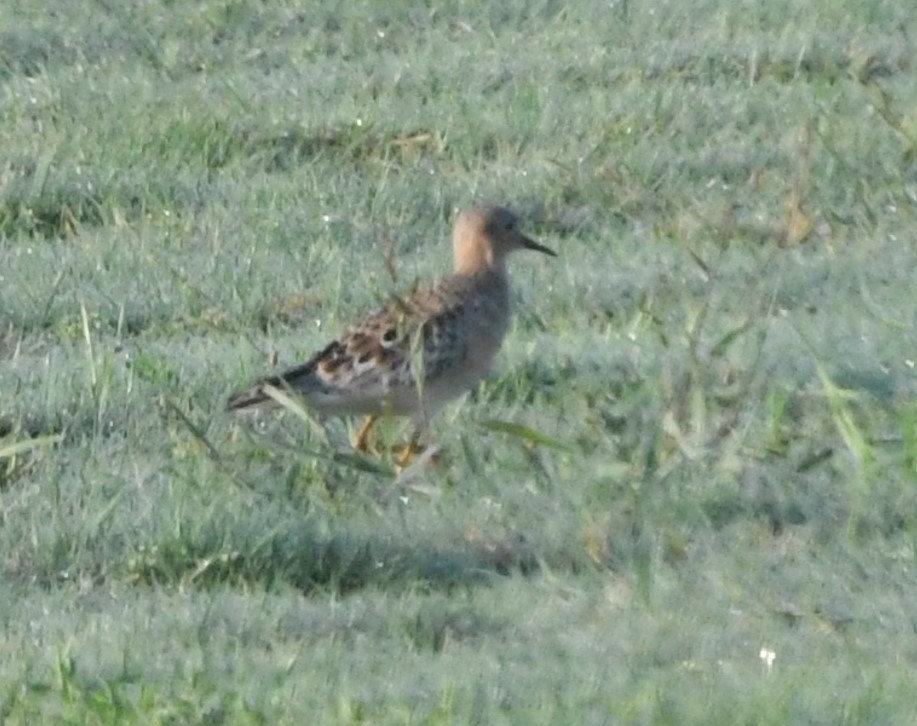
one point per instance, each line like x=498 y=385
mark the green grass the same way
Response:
x=706 y=413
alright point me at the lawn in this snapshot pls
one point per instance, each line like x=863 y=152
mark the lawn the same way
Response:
x=686 y=494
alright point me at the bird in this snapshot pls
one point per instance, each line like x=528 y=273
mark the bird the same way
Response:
x=423 y=348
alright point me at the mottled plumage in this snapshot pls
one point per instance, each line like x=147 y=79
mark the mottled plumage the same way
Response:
x=421 y=350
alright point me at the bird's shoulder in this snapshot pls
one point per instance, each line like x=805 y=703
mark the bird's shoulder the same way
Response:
x=426 y=318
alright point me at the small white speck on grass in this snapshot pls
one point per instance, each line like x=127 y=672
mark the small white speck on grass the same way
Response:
x=907 y=361
x=767 y=657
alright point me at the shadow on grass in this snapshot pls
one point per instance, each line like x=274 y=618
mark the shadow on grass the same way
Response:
x=44 y=197
x=341 y=563
x=42 y=201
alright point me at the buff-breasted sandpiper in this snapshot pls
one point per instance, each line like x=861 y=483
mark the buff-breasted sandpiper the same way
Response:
x=421 y=350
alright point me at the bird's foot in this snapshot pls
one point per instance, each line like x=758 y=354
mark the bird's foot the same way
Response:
x=362 y=435
x=414 y=455
x=406 y=453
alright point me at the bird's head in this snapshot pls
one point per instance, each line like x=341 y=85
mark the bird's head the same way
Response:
x=484 y=236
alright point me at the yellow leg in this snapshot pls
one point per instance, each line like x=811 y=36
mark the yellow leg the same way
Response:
x=359 y=441
x=405 y=454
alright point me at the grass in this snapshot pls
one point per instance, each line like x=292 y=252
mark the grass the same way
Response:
x=698 y=448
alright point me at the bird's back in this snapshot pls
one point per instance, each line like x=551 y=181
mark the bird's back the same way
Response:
x=409 y=358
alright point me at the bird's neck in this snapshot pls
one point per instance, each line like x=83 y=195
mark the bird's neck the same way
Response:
x=480 y=263
x=493 y=281
x=476 y=259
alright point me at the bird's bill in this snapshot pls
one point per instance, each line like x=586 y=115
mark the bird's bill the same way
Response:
x=531 y=244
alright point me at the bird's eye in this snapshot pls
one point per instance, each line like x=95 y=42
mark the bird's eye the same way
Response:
x=509 y=224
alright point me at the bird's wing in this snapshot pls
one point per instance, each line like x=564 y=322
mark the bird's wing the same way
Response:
x=422 y=331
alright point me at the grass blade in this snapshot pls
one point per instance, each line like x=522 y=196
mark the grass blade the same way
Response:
x=7 y=451
x=529 y=435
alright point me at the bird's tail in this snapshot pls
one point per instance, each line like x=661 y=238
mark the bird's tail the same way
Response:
x=294 y=379
x=253 y=397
